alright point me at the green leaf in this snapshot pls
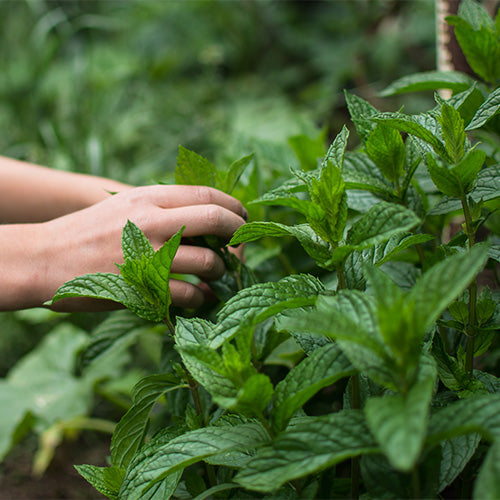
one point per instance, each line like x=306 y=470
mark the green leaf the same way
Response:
x=327 y=214
x=452 y=129
x=114 y=334
x=386 y=148
x=147 y=469
x=479 y=414
x=399 y=422
x=456 y=454
x=232 y=176
x=487 y=486
x=361 y=173
x=486 y=111
x=134 y=243
x=378 y=255
x=309 y=446
x=308 y=150
x=380 y=223
x=429 y=80
x=110 y=287
x=131 y=429
x=106 y=480
x=460 y=178
x=323 y=367
x=479 y=44
x=350 y=317
x=43 y=384
x=336 y=151
x=261 y=301
x=452 y=374
x=412 y=125
x=194 y=170
x=487 y=188
x=192 y=331
x=315 y=246
x=443 y=283
x=361 y=111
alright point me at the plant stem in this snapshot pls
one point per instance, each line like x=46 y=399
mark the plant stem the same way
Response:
x=170 y=325
x=469 y=349
x=356 y=405
x=341 y=278
x=415 y=482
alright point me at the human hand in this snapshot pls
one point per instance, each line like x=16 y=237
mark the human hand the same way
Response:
x=89 y=241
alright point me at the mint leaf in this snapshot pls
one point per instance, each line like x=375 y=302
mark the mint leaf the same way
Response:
x=412 y=125
x=106 y=480
x=194 y=170
x=429 y=80
x=480 y=46
x=315 y=246
x=399 y=422
x=380 y=223
x=386 y=148
x=309 y=446
x=263 y=300
x=134 y=244
x=487 y=486
x=323 y=367
x=131 y=429
x=163 y=459
x=486 y=111
x=361 y=111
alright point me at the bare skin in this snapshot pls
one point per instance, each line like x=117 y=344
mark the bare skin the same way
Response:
x=60 y=225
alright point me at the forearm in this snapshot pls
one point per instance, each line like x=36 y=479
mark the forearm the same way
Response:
x=30 y=193
x=22 y=266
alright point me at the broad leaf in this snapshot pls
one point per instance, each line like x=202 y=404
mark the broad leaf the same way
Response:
x=106 y=480
x=309 y=446
x=399 y=422
x=146 y=470
x=261 y=301
x=322 y=368
x=315 y=246
x=486 y=111
x=379 y=224
x=412 y=125
x=487 y=486
x=456 y=454
x=130 y=430
x=487 y=188
x=361 y=111
x=386 y=148
x=194 y=170
x=430 y=80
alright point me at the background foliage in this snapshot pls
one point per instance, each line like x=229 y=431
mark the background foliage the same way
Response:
x=113 y=88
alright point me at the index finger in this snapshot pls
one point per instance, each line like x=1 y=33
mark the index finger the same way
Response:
x=176 y=196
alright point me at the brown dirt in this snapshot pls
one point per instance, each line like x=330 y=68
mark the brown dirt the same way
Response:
x=61 y=481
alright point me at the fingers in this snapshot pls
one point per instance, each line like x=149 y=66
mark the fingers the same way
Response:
x=201 y=262
x=199 y=220
x=181 y=196
x=186 y=294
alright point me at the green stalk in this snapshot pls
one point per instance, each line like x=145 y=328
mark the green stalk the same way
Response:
x=355 y=468
x=470 y=330
x=355 y=403
x=415 y=482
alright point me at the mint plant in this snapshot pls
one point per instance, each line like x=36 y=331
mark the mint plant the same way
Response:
x=384 y=392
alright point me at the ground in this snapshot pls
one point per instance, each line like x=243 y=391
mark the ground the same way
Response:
x=60 y=481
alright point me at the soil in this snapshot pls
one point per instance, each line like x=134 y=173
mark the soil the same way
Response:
x=61 y=481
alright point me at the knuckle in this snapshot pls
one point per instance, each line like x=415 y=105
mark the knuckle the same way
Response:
x=188 y=295
x=208 y=262
x=204 y=194
x=213 y=216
